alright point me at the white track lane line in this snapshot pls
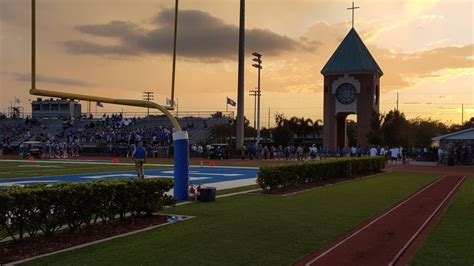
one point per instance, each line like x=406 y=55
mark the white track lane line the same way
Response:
x=372 y=222
x=415 y=235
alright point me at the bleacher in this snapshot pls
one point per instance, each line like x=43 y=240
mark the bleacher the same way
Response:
x=16 y=131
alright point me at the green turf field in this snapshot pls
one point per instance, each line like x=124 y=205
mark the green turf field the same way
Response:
x=31 y=169
x=253 y=229
x=452 y=240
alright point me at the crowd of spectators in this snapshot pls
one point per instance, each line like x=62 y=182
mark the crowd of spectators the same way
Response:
x=117 y=130
x=114 y=134
x=13 y=130
x=109 y=134
x=313 y=152
x=457 y=153
x=290 y=152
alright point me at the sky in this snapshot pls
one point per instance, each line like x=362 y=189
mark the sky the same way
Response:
x=120 y=48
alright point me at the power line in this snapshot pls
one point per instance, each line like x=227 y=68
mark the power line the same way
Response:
x=148 y=96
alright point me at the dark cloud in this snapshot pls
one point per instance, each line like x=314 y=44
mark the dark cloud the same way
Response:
x=201 y=36
x=54 y=80
x=112 y=29
x=83 y=47
x=15 y=12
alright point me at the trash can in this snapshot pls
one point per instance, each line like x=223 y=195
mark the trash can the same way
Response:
x=207 y=194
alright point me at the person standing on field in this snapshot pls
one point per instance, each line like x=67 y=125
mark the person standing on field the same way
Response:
x=139 y=157
x=373 y=151
x=440 y=156
x=394 y=153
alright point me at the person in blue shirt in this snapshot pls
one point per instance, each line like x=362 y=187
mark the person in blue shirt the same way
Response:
x=139 y=157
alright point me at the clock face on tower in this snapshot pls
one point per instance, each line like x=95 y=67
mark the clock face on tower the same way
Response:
x=346 y=93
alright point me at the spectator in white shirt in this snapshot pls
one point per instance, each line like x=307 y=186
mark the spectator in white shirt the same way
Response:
x=373 y=152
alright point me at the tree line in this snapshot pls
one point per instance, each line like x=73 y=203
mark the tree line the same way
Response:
x=390 y=129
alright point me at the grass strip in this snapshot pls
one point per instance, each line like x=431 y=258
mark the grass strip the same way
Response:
x=253 y=229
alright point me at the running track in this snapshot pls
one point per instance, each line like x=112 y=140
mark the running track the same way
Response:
x=385 y=239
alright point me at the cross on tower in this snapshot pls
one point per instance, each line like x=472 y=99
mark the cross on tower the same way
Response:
x=353 y=7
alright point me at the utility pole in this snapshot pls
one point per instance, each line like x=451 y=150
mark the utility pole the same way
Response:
x=462 y=114
x=240 y=83
x=268 y=118
x=258 y=65
x=177 y=107
x=148 y=96
x=254 y=93
x=33 y=44
x=397 y=101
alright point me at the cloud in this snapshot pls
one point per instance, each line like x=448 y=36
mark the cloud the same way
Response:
x=53 y=80
x=415 y=7
x=201 y=36
x=401 y=69
x=15 y=12
x=404 y=69
x=83 y=47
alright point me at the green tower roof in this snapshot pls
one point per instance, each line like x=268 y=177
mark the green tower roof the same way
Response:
x=352 y=56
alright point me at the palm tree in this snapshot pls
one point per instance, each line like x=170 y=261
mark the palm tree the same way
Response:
x=317 y=127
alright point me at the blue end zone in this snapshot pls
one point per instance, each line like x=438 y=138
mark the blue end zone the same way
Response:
x=197 y=175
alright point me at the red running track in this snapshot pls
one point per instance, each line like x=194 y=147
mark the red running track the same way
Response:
x=383 y=240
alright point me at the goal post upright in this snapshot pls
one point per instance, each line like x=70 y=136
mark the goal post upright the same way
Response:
x=180 y=138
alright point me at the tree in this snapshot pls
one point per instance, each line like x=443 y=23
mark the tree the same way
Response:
x=468 y=124
x=351 y=128
x=394 y=129
x=217 y=115
x=317 y=127
x=295 y=129
x=221 y=132
x=282 y=134
x=375 y=136
x=421 y=131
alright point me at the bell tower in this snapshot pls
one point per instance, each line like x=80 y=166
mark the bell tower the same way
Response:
x=351 y=86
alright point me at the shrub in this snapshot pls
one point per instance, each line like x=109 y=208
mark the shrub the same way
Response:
x=41 y=208
x=280 y=177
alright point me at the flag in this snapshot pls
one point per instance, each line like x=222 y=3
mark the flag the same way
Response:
x=17 y=101
x=231 y=102
x=99 y=104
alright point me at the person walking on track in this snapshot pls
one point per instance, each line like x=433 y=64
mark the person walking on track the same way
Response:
x=139 y=156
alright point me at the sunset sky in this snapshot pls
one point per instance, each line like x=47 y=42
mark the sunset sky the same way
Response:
x=119 y=48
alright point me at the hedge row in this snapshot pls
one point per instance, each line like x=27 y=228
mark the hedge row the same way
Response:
x=28 y=210
x=280 y=177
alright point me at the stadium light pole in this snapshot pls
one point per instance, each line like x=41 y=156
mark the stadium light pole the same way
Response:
x=148 y=96
x=239 y=137
x=254 y=93
x=175 y=37
x=258 y=59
